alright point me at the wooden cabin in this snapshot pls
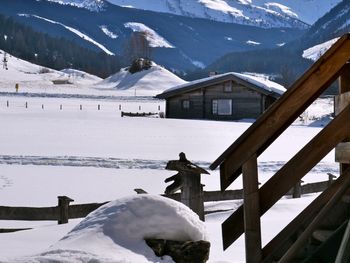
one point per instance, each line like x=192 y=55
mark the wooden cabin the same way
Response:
x=228 y=96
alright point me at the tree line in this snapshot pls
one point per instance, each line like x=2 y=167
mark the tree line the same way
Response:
x=57 y=53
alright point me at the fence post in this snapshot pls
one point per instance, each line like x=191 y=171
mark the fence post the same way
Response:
x=330 y=178
x=297 y=190
x=63 y=206
x=120 y=107
x=42 y=106
x=81 y=107
x=188 y=179
x=7 y=104
x=61 y=107
x=98 y=107
x=26 y=105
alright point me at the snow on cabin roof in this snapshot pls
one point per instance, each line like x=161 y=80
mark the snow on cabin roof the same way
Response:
x=256 y=82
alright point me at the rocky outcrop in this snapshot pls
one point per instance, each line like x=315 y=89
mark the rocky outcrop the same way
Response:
x=181 y=252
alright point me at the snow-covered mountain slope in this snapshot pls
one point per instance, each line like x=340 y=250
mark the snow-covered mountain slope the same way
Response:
x=30 y=76
x=21 y=71
x=155 y=79
x=92 y=5
x=228 y=11
x=265 y=13
x=315 y=52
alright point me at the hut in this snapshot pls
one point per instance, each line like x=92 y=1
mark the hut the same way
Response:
x=228 y=96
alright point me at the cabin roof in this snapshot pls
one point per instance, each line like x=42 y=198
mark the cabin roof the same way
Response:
x=257 y=83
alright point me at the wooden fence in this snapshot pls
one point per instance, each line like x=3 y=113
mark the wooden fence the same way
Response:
x=65 y=211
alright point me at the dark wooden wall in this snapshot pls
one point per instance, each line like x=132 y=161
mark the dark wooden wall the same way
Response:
x=246 y=103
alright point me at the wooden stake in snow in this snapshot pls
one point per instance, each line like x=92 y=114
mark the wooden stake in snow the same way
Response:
x=188 y=179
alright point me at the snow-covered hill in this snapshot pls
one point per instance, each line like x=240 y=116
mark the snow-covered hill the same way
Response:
x=156 y=79
x=29 y=75
x=33 y=78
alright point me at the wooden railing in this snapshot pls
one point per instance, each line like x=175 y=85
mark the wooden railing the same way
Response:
x=241 y=156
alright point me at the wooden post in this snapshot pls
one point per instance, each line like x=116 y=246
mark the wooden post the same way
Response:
x=26 y=105
x=251 y=211
x=61 y=107
x=120 y=107
x=7 y=104
x=81 y=107
x=344 y=87
x=188 y=179
x=98 y=107
x=297 y=190
x=63 y=205
x=330 y=178
x=42 y=106
x=192 y=193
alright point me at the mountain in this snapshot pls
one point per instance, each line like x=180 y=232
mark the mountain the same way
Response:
x=179 y=43
x=287 y=62
x=263 y=13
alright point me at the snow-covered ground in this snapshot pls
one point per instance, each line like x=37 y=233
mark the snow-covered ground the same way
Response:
x=37 y=79
x=92 y=154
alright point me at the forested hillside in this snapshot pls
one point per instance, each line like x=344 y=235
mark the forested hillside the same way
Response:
x=56 y=53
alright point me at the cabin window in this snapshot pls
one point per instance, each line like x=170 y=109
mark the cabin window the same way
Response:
x=185 y=104
x=222 y=107
x=228 y=86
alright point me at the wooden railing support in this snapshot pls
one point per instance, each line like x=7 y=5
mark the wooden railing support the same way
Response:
x=63 y=204
x=344 y=94
x=288 y=257
x=252 y=227
x=279 y=184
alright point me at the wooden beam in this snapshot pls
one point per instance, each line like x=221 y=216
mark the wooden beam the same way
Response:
x=290 y=255
x=342 y=153
x=283 y=112
x=251 y=211
x=280 y=243
x=344 y=88
x=341 y=101
x=291 y=173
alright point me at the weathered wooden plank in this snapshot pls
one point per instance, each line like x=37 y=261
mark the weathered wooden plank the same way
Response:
x=291 y=173
x=280 y=243
x=342 y=153
x=29 y=213
x=282 y=113
x=341 y=101
x=251 y=211
x=344 y=87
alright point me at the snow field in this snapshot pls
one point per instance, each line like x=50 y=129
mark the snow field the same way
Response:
x=143 y=145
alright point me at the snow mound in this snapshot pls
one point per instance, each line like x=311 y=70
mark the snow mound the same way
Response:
x=155 y=78
x=315 y=52
x=116 y=231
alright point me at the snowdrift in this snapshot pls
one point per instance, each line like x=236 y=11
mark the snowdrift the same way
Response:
x=115 y=232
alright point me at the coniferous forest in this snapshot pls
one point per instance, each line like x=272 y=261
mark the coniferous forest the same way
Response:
x=57 y=53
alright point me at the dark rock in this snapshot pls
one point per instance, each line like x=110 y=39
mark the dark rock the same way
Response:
x=140 y=64
x=181 y=252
